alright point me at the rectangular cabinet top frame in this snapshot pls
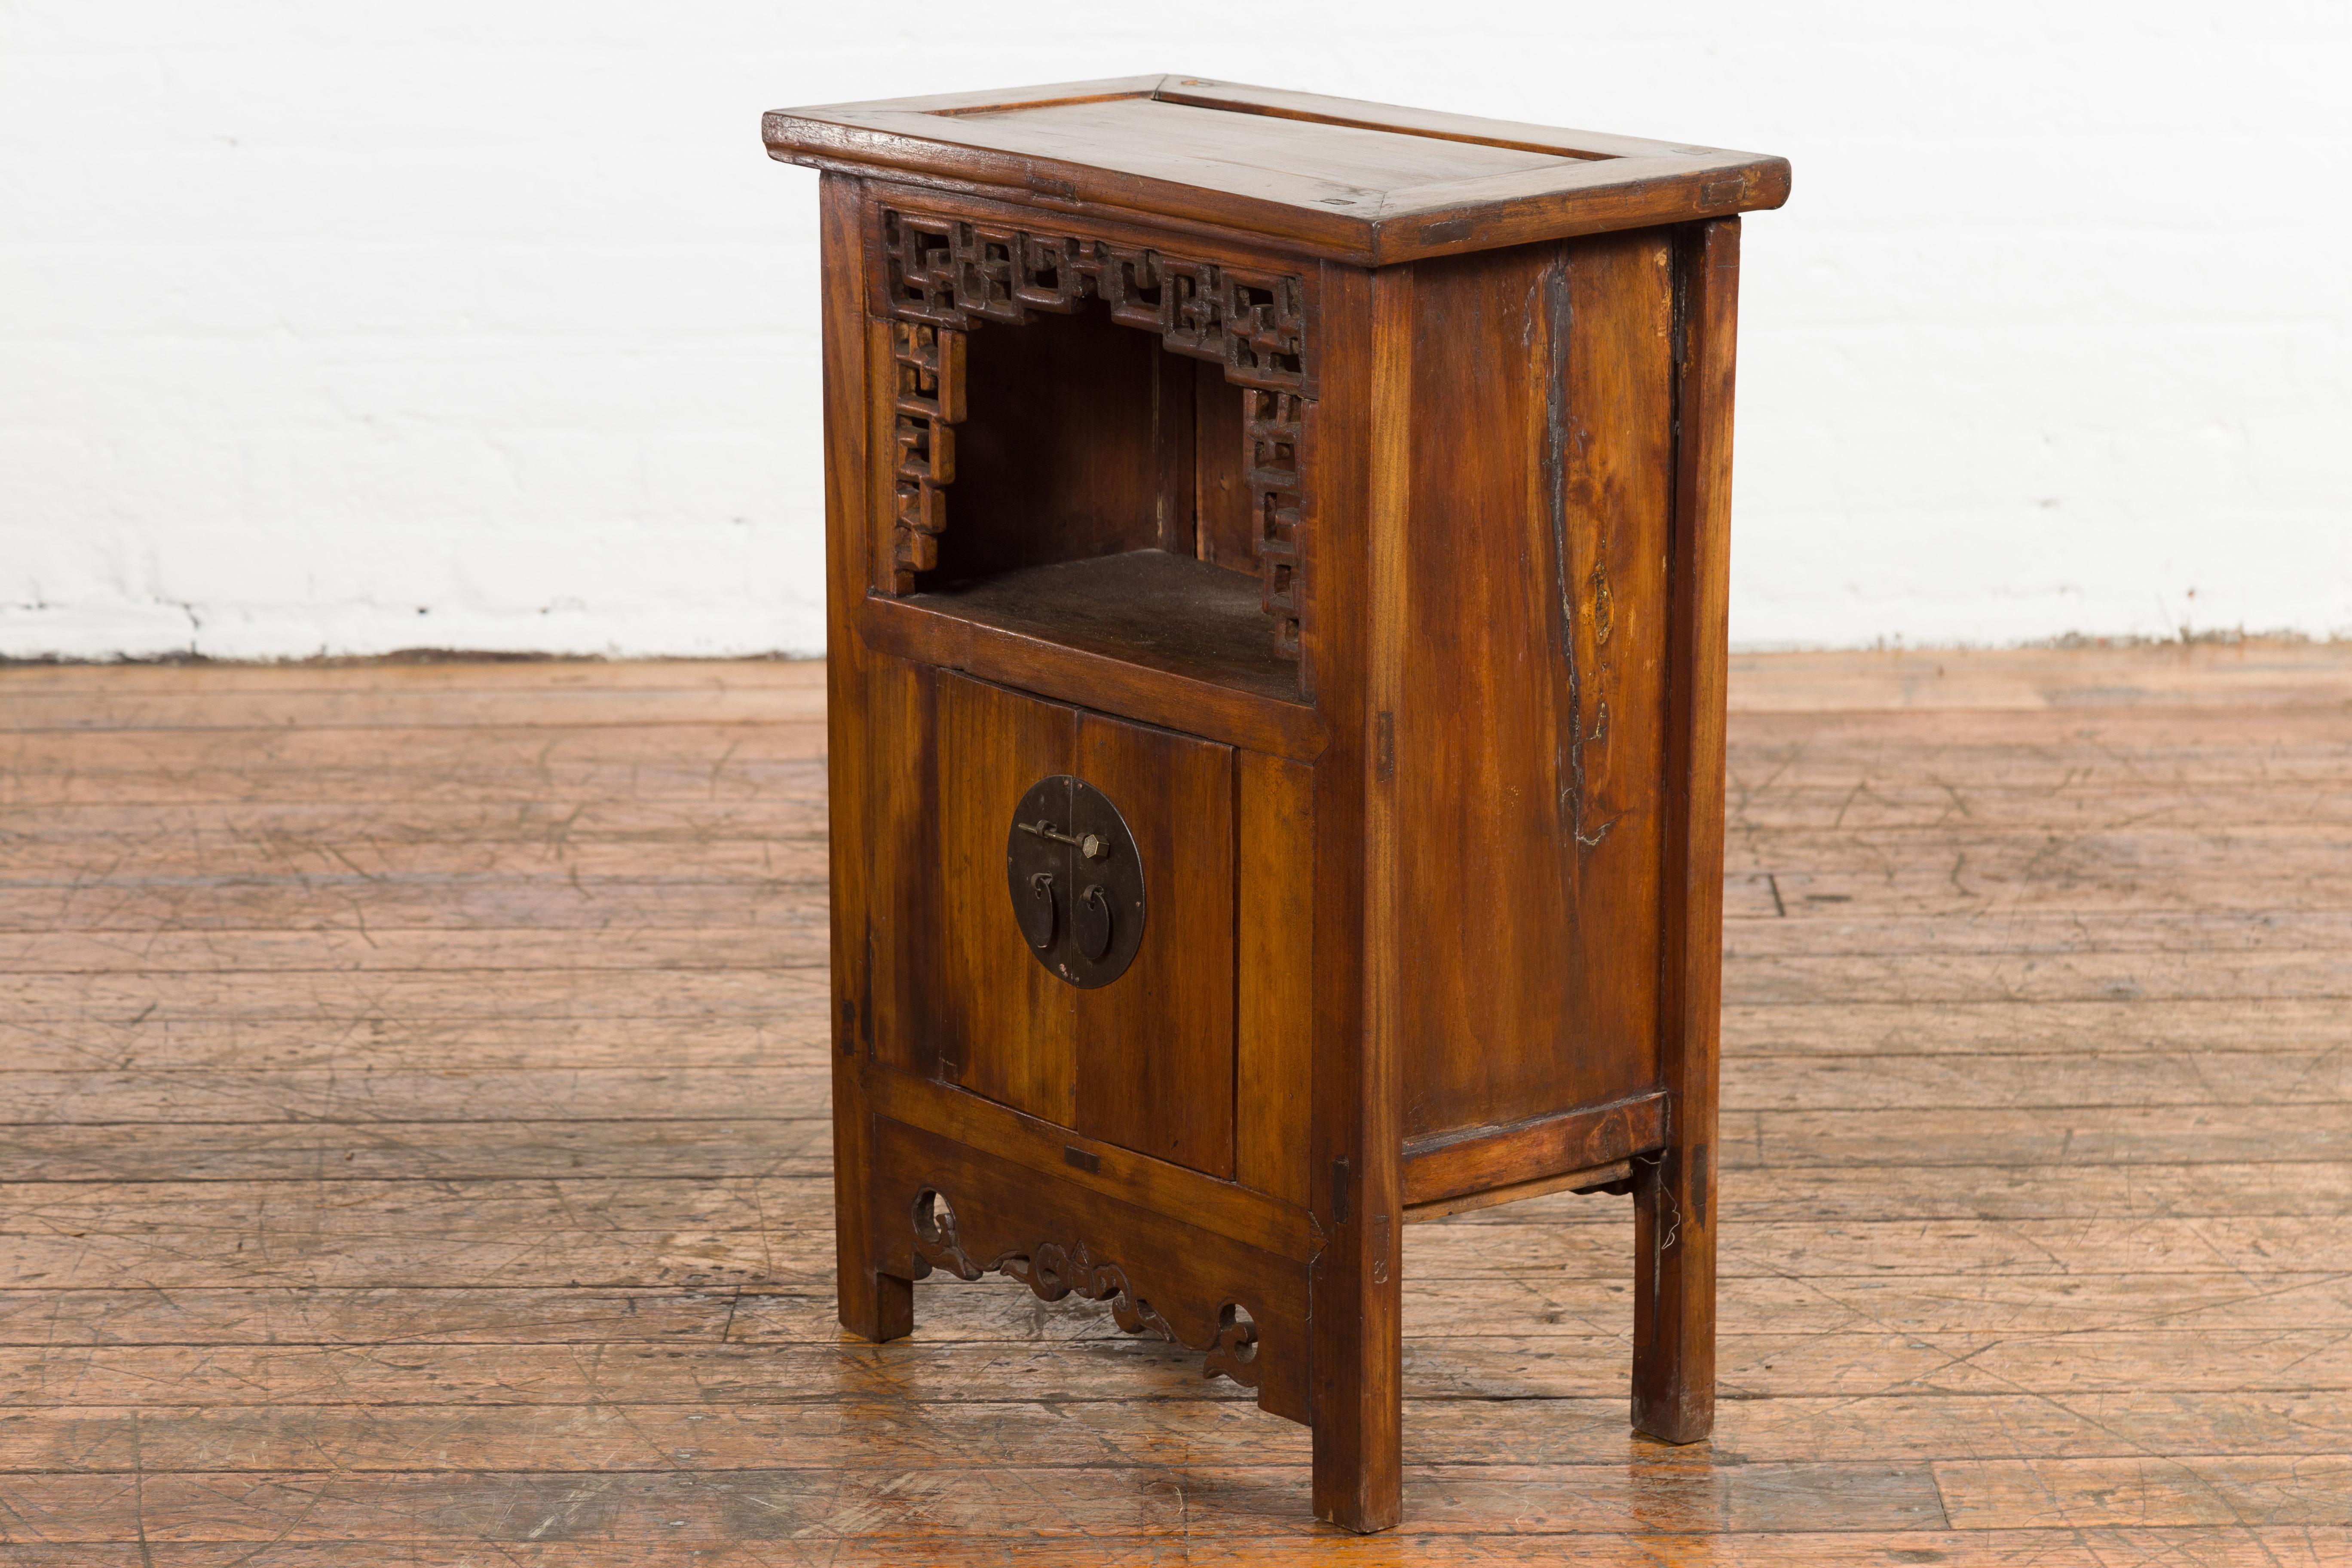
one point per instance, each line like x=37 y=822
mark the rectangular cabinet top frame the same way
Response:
x=1365 y=184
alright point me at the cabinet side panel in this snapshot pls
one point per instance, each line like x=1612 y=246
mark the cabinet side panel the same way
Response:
x=1005 y=1024
x=1528 y=739
x=1619 y=511
x=1155 y=1047
x=1275 y=942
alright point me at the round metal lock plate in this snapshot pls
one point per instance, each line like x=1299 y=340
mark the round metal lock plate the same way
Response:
x=1076 y=881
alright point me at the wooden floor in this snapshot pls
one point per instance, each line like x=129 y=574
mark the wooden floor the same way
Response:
x=415 y=1136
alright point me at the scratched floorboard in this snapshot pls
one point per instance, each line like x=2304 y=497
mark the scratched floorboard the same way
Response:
x=412 y=1151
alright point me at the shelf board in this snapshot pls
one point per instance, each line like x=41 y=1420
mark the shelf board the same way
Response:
x=1160 y=637
x=1148 y=608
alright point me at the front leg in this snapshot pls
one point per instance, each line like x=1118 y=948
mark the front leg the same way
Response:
x=1358 y=1351
x=874 y=1305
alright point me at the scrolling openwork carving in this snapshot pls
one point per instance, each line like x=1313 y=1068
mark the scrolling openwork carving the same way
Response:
x=1054 y=1270
x=945 y=277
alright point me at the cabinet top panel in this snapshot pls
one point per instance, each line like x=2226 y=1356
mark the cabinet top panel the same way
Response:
x=1363 y=183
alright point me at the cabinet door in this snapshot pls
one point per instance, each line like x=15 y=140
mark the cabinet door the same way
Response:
x=1145 y=1061
x=1001 y=1024
x=1155 y=1047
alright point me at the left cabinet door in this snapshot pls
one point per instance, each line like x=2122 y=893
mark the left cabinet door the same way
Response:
x=1003 y=1023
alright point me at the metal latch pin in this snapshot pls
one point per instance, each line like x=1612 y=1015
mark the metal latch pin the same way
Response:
x=1089 y=844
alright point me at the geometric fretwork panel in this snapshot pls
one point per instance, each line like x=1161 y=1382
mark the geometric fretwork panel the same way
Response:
x=927 y=401
x=1272 y=430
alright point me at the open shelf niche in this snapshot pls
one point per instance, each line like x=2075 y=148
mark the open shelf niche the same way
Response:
x=1129 y=493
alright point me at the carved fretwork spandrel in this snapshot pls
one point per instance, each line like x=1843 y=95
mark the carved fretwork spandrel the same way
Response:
x=921 y=268
x=1054 y=1270
x=1273 y=430
x=949 y=272
x=927 y=401
x=944 y=277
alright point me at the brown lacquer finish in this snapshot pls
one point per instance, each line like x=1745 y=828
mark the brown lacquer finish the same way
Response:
x=1371 y=185
x=1534 y=618
x=1336 y=495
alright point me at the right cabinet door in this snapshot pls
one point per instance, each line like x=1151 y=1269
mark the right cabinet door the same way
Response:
x=1144 y=1061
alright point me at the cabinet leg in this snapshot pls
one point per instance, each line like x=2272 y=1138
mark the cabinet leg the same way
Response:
x=874 y=1305
x=1673 y=1295
x=1357 y=1396
x=1673 y=1220
x=1358 y=1447
x=877 y=1307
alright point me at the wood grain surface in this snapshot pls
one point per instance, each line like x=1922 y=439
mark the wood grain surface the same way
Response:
x=1364 y=182
x=414 y=1148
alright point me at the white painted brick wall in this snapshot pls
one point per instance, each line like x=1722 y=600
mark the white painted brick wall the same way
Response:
x=331 y=328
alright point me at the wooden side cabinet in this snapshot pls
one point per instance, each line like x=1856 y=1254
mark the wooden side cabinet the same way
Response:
x=1277 y=577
